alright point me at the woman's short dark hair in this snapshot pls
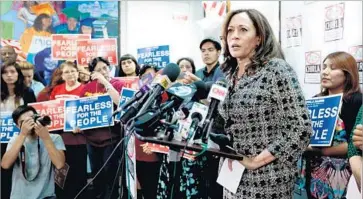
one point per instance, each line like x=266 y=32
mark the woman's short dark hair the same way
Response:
x=20 y=111
x=189 y=60
x=268 y=48
x=19 y=84
x=93 y=63
x=38 y=24
x=126 y=57
x=145 y=67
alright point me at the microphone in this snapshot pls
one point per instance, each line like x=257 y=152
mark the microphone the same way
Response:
x=146 y=93
x=132 y=110
x=169 y=74
x=196 y=119
x=222 y=140
x=203 y=89
x=216 y=95
x=138 y=95
x=150 y=120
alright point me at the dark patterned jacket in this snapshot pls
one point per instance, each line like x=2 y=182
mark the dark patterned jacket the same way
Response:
x=267 y=110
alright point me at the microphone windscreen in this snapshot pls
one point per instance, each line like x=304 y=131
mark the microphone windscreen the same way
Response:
x=172 y=71
x=202 y=90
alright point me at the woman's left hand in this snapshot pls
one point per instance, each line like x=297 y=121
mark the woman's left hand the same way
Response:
x=249 y=163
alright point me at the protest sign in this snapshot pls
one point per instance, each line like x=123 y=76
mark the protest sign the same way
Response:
x=324 y=113
x=158 y=56
x=54 y=109
x=88 y=113
x=8 y=127
x=64 y=46
x=126 y=95
x=129 y=82
x=89 y=49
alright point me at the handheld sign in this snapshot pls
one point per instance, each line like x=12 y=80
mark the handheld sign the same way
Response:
x=8 y=127
x=54 y=109
x=324 y=114
x=158 y=56
x=126 y=95
x=88 y=113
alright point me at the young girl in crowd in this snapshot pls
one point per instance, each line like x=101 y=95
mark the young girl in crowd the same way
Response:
x=13 y=94
x=76 y=150
x=327 y=171
x=128 y=66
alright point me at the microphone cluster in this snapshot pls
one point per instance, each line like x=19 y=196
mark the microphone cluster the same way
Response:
x=181 y=117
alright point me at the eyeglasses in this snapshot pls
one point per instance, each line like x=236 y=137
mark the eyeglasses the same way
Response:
x=70 y=72
x=104 y=68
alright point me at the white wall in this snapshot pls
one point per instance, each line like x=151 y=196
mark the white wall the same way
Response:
x=151 y=23
x=313 y=33
x=270 y=9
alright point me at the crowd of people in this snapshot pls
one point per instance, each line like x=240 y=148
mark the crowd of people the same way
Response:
x=264 y=112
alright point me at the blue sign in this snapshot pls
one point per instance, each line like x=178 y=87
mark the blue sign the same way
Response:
x=157 y=56
x=8 y=127
x=126 y=95
x=88 y=113
x=324 y=114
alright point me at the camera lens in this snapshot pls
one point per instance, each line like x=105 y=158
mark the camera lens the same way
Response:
x=45 y=120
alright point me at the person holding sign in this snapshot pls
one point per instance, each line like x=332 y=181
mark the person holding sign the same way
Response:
x=327 y=171
x=102 y=141
x=264 y=110
x=33 y=153
x=355 y=147
x=76 y=153
x=13 y=94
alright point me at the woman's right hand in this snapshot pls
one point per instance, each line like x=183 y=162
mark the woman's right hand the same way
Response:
x=77 y=130
x=146 y=148
x=99 y=77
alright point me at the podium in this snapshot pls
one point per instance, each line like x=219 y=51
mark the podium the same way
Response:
x=193 y=147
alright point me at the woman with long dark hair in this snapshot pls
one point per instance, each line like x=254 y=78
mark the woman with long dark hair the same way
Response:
x=265 y=108
x=13 y=94
x=328 y=171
